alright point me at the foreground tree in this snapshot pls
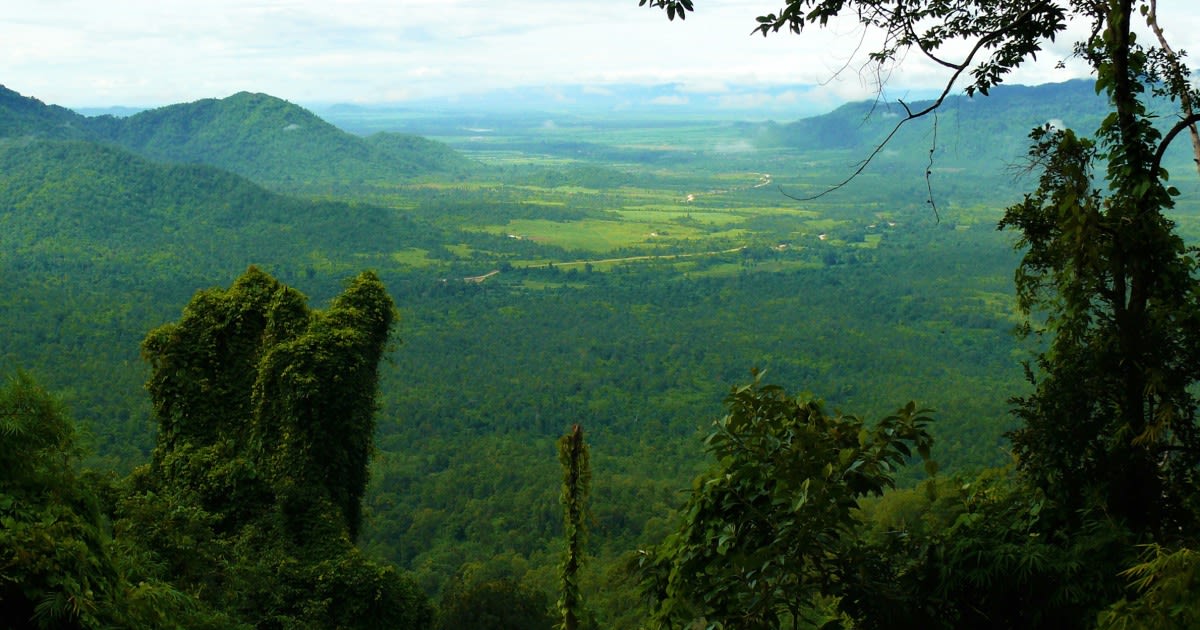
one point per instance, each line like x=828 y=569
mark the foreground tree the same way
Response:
x=266 y=414
x=1109 y=433
x=978 y=551
x=56 y=564
x=60 y=567
x=1168 y=593
x=768 y=530
x=1112 y=423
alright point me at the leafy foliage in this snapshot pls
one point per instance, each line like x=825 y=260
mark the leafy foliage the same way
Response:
x=59 y=565
x=982 y=551
x=55 y=568
x=469 y=602
x=763 y=532
x=1168 y=592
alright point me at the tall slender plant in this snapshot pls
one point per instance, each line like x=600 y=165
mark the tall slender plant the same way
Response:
x=575 y=457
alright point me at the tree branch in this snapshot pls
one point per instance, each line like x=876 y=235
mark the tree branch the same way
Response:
x=908 y=26
x=1186 y=123
x=1185 y=97
x=959 y=69
x=929 y=172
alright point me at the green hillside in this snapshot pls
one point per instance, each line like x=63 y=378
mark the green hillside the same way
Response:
x=966 y=132
x=274 y=142
x=80 y=196
x=98 y=245
x=24 y=116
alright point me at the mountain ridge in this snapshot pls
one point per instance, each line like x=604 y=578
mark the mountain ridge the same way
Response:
x=22 y=116
x=269 y=140
x=1009 y=112
x=272 y=141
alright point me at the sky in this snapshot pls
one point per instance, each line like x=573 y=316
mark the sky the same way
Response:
x=139 y=53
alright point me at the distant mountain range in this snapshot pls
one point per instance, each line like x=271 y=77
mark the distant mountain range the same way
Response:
x=193 y=183
x=273 y=142
x=724 y=100
x=964 y=130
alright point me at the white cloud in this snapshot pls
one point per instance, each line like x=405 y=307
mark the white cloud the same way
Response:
x=760 y=100
x=147 y=52
x=596 y=90
x=703 y=86
x=673 y=99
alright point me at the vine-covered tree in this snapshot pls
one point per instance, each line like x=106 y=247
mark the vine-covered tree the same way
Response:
x=575 y=457
x=282 y=397
x=266 y=413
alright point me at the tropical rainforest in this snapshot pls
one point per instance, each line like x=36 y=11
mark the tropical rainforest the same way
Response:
x=269 y=369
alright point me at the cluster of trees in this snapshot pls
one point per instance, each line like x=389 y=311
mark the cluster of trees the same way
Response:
x=1096 y=521
x=248 y=512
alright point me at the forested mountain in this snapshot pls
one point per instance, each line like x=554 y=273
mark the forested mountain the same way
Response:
x=24 y=116
x=269 y=140
x=83 y=197
x=964 y=131
x=274 y=142
x=96 y=242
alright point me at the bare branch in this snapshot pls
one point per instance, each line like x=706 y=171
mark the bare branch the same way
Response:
x=912 y=33
x=1185 y=97
x=980 y=44
x=1186 y=123
x=929 y=172
x=849 y=58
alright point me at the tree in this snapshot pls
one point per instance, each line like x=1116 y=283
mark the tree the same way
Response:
x=1111 y=424
x=575 y=457
x=766 y=530
x=56 y=567
x=266 y=414
x=60 y=567
x=978 y=551
x=262 y=402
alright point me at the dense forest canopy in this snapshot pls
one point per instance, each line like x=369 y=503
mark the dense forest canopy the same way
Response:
x=290 y=467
